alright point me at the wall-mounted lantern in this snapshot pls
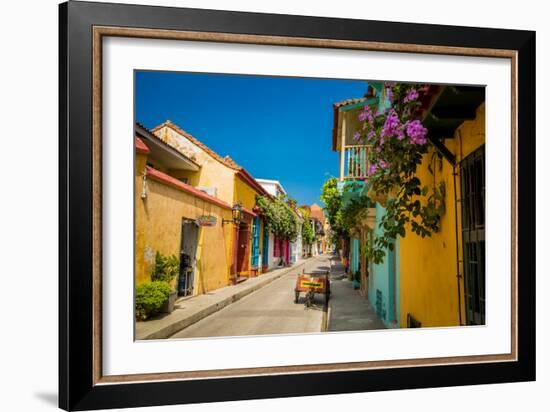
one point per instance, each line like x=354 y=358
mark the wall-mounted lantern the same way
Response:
x=237 y=214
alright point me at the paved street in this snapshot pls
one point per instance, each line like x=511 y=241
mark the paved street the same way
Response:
x=270 y=310
x=348 y=309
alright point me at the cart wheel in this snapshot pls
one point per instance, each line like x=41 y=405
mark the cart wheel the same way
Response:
x=309 y=299
x=296 y=296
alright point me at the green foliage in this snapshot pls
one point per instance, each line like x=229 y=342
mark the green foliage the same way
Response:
x=342 y=218
x=331 y=196
x=280 y=218
x=350 y=213
x=307 y=231
x=166 y=268
x=150 y=297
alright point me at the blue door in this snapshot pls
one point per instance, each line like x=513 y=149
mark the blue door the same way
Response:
x=256 y=242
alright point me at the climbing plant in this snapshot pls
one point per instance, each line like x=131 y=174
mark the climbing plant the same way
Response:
x=279 y=217
x=398 y=143
x=350 y=213
x=331 y=196
x=307 y=230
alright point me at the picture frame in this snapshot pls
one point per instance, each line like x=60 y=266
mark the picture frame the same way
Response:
x=83 y=26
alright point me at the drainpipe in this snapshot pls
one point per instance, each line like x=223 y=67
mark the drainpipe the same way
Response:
x=458 y=275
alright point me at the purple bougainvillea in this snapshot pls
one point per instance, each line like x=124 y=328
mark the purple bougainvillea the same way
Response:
x=416 y=132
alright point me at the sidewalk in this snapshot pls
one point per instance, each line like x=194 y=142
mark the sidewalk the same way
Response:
x=348 y=310
x=192 y=310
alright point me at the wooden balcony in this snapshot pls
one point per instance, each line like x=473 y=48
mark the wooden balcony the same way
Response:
x=354 y=162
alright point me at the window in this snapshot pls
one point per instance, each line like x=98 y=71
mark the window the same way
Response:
x=472 y=178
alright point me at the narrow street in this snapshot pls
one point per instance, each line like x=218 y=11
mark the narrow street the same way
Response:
x=270 y=310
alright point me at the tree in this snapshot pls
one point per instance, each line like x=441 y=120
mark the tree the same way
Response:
x=332 y=198
x=307 y=229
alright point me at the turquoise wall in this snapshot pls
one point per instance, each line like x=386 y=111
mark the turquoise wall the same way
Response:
x=383 y=286
x=398 y=284
x=354 y=263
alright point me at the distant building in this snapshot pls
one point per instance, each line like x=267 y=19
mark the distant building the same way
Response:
x=318 y=223
x=273 y=187
x=280 y=251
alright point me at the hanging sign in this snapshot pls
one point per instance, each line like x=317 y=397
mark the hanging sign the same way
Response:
x=206 y=221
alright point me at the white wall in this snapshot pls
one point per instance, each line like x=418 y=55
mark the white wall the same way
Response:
x=29 y=92
x=270 y=247
x=296 y=247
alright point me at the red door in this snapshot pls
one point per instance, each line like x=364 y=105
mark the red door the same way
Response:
x=243 y=243
x=285 y=246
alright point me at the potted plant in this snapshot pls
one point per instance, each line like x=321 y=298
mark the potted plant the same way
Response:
x=166 y=270
x=150 y=298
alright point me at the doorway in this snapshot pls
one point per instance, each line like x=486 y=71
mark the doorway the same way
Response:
x=243 y=245
x=188 y=257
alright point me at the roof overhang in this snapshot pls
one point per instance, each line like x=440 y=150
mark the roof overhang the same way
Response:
x=348 y=111
x=250 y=181
x=163 y=153
x=451 y=107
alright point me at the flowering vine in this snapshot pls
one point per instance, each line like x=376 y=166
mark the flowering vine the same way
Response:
x=279 y=217
x=398 y=142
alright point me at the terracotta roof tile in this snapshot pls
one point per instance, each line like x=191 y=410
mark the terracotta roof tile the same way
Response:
x=224 y=160
x=141 y=147
x=349 y=101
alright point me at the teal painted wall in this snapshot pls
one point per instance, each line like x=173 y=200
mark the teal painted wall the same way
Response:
x=397 y=285
x=383 y=286
x=354 y=263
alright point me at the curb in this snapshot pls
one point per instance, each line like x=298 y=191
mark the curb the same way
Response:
x=327 y=314
x=329 y=305
x=173 y=328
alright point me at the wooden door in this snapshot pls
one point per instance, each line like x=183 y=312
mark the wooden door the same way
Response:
x=244 y=248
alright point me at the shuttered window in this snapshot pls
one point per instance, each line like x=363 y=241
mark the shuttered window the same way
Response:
x=472 y=179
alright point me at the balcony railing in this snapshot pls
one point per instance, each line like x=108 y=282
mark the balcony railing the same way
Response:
x=354 y=162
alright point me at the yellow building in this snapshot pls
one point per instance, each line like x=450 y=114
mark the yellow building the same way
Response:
x=186 y=196
x=441 y=279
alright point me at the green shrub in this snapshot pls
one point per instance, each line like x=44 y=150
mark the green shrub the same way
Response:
x=150 y=297
x=166 y=268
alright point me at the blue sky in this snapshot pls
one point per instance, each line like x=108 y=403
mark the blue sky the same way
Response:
x=275 y=127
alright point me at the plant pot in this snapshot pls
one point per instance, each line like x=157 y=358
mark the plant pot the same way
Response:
x=169 y=305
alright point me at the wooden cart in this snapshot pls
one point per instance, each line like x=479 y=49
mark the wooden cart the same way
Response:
x=310 y=284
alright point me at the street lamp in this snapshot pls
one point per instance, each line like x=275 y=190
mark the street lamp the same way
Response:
x=237 y=214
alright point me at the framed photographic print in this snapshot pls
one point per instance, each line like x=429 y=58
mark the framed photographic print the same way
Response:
x=256 y=205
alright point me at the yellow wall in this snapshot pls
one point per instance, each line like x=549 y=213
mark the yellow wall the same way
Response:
x=158 y=228
x=427 y=267
x=244 y=193
x=212 y=172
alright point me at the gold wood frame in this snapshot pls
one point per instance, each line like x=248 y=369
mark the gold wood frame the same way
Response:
x=101 y=31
